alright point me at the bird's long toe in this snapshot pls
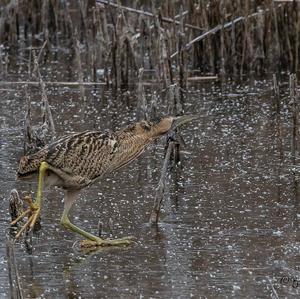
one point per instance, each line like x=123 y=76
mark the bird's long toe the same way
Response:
x=89 y=244
x=32 y=214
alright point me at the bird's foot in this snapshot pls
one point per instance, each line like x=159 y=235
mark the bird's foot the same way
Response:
x=32 y=214
x=98 y=242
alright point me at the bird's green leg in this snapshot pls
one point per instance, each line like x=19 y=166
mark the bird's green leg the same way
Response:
x=91 y=240
x=43 y=167
x=34 y=209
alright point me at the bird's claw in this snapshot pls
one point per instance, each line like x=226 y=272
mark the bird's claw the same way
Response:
x=98 y=242
x=32 y=214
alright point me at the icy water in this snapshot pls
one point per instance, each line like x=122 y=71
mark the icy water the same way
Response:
x=229 y=227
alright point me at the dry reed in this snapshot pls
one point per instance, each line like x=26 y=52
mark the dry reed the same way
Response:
x=210 y=36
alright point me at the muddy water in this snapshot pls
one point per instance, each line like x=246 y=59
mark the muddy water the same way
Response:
x=229 y=227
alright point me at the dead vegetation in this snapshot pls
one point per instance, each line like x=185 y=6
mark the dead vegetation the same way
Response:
x=173 y=40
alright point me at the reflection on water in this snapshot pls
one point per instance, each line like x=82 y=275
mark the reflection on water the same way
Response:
x=229 y=225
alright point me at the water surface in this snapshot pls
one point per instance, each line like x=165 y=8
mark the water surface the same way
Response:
x=229 y=225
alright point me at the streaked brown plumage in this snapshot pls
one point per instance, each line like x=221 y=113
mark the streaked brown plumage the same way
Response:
x=78 y=160
x=81 y=158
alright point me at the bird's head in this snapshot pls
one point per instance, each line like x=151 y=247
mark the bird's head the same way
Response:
x=159 y=126
x=163 y=125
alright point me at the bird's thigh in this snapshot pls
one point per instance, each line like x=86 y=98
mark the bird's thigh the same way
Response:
x=51 y=179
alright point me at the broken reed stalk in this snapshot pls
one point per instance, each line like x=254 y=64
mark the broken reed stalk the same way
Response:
x=15 y=204
x=29 y=134
x=127 y=58
x=142 y=104
x=276 y=48
x=297 y=37
x=275 y=294
x=278 y=133
x=142 y=27
x=100 y=228
x=103 y=46
x=13 y=273
x=44 y=19
x=1 y=62
x=148 y=14
x=115 y=55
x=117 y=47
x=68 y=24
x=175 y=107
x=293 y=96
x=218 y=28
x=29 y=61
x=174 y=103
x=182 y=58
x=260 y=51
x=46 y=111
x=51 y=83
x=207 y=33
x=277 y=117
x=36 y=137
x=201 y=78
x=176 y=91
x=222 y=9
x=36 y=64
x=83 y=6
x=15 y=209
x=6 y=64
x=163 y=57
x=154 y=104
x=79 y=64
x=159 y=195
x=233 y=51
x=176 y=150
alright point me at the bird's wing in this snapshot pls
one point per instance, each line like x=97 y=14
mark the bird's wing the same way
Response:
x=85 y=154
x=125 y=155
x=30 y=163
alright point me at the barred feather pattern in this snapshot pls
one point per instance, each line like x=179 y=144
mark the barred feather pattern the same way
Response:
x=80 y=159
x=30 y=164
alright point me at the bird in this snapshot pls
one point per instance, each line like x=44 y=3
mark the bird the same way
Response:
x=78 y=160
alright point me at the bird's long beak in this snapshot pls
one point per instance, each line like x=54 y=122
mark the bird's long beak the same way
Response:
x=180 y=120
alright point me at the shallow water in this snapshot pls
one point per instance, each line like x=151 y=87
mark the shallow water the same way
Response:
x=229 y=227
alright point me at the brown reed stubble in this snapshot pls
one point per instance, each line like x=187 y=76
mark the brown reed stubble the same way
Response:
x=122 y=41
x=294 y=96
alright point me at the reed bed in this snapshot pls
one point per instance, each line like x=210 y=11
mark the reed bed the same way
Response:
x=173 y=40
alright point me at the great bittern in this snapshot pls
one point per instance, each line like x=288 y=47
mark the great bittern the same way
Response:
x=79 y=160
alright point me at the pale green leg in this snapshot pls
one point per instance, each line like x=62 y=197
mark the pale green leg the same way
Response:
x=37 y=204
x=34 y=209
x=43 y=167
x=92 y=241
